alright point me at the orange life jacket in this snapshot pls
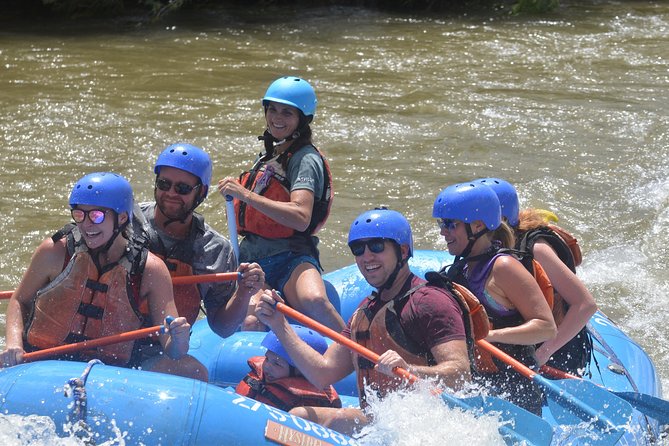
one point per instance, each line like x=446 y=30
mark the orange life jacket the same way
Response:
x=179 y=262
x=83 y=303
x=268 y=178
x=285 y=393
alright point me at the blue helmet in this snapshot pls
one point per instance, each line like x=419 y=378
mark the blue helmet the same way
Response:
x=187 y=157
x=105 y=189
x=382 y=223
x=291 y=90
x=313 y=339
x=469 y=202
x=508 y=198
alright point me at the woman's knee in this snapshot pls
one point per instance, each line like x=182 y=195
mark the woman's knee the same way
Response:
x=299 y=412
x=251 y=323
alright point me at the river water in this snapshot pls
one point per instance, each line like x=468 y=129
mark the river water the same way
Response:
x=571 y=107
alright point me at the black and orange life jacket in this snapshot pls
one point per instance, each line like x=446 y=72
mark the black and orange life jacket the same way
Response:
x=567 y=249
x=285 y=393
x=382 y=330
x=269 y=179
x=87 y=302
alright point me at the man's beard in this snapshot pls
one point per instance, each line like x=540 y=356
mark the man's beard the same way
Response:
x=180 y=215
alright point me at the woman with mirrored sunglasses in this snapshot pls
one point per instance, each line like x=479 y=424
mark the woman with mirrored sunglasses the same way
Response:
x=410 y=323
x=86 y=282
x=470 y=219
x=283 y=200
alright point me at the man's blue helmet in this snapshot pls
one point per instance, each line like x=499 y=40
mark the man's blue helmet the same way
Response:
x=469 y=202
x=187 y=157
x=382 y=223
x=291 y=90
x=104 y=189
x=507 y=195
x=313 y=339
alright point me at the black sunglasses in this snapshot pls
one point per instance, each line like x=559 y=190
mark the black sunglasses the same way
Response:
x=180 y=188
x=375 y=245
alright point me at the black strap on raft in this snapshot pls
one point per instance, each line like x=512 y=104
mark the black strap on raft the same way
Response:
x=76 y=388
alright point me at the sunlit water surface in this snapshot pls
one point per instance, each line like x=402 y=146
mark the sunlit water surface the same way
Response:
x=572 y=107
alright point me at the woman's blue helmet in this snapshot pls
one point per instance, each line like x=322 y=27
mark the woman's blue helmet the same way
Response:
x=105 y=189
x=507 y=195
x=469 y=202
x=382 y=223
x=187 y=157
x=291 y=90
x=313 y=339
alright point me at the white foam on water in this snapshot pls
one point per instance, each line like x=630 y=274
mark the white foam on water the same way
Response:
x=32 y=430
x=418 y=417
x=37 y=430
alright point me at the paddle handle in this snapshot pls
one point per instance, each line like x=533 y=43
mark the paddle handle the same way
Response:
x=200 y=278
x=341 y=339
x=93 y=343
x=556 y=373
x=179 y=280
x=232 y=224
x=513 y=362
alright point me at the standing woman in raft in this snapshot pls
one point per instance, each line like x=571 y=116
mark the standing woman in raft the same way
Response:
x=283 y=200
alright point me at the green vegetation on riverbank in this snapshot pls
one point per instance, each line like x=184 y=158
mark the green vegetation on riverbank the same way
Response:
x=157 y=9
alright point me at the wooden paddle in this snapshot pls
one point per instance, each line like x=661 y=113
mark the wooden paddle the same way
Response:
x=650 y=405
x=575 y=401
x=519 y=426
x=180 y=280
x=93 y=343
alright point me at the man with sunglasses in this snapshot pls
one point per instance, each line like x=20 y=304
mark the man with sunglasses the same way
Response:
x=410 y=323
x=89 y=280
x=189 y=246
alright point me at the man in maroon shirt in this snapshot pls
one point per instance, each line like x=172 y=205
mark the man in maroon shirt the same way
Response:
x=413 y=325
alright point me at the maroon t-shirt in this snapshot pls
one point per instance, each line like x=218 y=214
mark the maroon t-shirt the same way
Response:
x=430 y=317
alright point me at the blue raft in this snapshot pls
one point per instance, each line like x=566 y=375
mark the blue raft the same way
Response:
x=151 y=408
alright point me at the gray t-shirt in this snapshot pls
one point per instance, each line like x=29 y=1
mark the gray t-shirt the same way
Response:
x=212 y=253
x=305 y=171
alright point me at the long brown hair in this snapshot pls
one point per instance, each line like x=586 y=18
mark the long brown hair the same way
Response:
x=505 y=234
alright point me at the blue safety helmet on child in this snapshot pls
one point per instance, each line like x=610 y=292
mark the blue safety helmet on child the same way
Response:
x=508 y=198
x=189 y=158
x=382 y=223
x=313 y=339
x=469 y=202
x=104 y=189
x=293 y=91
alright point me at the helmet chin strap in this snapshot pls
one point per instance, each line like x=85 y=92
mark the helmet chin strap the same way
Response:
x=391 y=279
x=272 y=142
x=117 y=231
x=472 y=239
